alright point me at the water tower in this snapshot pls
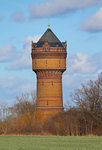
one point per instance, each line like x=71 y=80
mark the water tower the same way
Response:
x=49 y=63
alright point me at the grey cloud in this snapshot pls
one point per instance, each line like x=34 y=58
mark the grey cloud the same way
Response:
x=7 y=53
x=18 y=17
x=93 y=23
x=56 y=7
x=12 y=86
x=24 y=56
x=96 y=61
x=79 y=63
x=83 y=65
x=80 y=69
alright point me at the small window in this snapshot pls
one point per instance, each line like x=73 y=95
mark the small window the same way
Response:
x=47 y=103
x=46 y=48
x=59 y=63
x=52 y=83
x=35 y=64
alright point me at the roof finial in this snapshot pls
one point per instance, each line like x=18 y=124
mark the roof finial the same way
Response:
x=48 y=25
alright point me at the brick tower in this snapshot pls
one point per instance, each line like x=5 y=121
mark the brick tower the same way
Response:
x=49 y=63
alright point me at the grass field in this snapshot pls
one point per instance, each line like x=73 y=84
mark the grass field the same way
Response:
x=50 y=143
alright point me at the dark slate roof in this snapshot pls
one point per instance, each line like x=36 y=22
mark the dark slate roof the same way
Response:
x=51 y=38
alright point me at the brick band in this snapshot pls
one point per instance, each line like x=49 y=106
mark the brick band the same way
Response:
x=50 y=55
x=49 y=74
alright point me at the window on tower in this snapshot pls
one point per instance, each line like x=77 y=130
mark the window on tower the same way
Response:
x=52 y=83
x=46 y=62
x=46 y=48
x=59 y=63
x=47 y=103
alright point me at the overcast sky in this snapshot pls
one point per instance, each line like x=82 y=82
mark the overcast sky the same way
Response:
x=77 y=21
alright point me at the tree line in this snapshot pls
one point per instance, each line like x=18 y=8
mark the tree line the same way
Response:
x=84 y=117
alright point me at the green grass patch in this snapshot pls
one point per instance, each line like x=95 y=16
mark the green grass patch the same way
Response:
x=50 y=143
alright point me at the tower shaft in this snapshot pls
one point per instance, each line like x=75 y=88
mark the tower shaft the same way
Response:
x=49 y=92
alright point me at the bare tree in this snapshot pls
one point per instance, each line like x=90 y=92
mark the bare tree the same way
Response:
x=24 y=104
x=88 y=100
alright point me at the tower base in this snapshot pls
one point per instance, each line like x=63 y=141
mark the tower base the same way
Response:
x=45 y=113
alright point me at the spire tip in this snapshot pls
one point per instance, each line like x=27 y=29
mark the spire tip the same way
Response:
x=48 y=25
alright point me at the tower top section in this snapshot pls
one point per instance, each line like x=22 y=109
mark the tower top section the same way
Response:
x=51 y=38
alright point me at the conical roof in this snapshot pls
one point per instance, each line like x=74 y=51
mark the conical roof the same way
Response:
x=51 y=38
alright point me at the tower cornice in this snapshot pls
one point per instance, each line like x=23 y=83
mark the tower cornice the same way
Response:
x=50 y=55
